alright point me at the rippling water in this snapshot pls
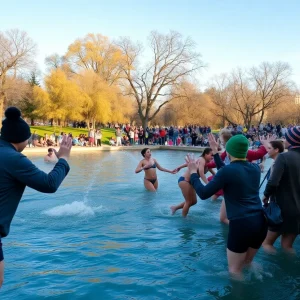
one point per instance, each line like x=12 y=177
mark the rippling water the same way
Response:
x=103 y=236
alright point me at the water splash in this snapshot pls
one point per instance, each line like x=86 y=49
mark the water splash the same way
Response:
x=76 y=208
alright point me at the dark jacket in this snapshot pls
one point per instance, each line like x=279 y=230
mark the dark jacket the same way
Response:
x=240 y=182
x=284 y=183
x=17 y=172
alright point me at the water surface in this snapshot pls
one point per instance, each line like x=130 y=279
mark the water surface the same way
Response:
x=103 y=236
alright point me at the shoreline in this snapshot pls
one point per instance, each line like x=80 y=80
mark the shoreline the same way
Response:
x=78 y=149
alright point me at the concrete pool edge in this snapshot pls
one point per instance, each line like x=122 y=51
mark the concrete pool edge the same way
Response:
x=28 y=150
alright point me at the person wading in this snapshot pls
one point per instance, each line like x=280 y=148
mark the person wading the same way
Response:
x=240 y=182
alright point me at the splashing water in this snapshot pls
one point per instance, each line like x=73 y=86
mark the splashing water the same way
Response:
x=75 y=208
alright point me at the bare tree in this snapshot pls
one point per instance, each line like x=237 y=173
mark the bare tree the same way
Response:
x=220 y=95
x=16 y=55
x=272 y=84
x=54 y=61
x=154 y=85
x=250 y=93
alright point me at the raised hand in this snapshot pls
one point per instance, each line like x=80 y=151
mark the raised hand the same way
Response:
x=192 y=163
x=65 y=148
x=213 y=143
x=266 y=140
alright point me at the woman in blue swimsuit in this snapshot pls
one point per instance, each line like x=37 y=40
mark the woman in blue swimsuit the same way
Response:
x=149 y=165
x=184 y=184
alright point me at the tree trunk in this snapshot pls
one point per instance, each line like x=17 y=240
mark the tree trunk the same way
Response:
x=51 y=122
x=261 y=117
x=31 y=121
x=58 y=122
x=145 y=122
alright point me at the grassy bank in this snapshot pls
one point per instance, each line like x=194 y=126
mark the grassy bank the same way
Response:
x=42 y=130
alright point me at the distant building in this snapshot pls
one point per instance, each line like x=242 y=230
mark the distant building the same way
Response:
x=297 y=99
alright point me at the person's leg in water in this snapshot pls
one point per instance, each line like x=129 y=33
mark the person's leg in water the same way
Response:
x=287 y=241
x=174 y=208
x=269 y=241
x=190 y=197
x=150 y=186
x=223 y=214
x=236 y=263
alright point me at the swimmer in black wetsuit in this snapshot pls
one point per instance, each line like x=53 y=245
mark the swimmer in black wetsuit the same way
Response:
x=149 y=165
x=187 y=190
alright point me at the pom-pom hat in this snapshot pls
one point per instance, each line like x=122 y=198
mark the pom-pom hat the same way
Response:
x=14 y=128
x=292 y=135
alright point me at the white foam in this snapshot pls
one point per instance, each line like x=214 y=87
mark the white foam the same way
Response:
x=75 y=208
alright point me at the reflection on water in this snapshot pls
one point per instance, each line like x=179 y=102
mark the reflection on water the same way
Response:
x=187 y=234
x=102 y=236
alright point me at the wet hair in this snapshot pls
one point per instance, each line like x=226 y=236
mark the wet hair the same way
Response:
x=277 y=145
x=206 y=151
x=143 y=152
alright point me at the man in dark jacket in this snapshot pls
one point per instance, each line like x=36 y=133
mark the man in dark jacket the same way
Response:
x=17 y=171
x=284 y=186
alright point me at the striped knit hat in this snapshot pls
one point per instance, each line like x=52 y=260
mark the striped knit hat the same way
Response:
x=292 y=136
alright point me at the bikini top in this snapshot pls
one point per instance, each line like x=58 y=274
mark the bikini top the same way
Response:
x=153 y=166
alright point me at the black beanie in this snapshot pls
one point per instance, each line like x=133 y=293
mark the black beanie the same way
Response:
x=14 y=128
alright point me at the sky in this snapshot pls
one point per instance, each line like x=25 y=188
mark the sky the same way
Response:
x=228 y=33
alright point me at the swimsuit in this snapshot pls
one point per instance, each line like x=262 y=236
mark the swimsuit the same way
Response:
x=181 y=178
x=153 y=166
x=151 y=180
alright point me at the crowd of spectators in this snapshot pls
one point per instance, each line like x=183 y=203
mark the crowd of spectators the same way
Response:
x=130 y=135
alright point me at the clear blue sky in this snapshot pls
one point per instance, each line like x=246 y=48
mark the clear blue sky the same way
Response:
x=228 y=33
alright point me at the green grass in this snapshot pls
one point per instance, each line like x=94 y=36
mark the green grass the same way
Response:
x=42 y=130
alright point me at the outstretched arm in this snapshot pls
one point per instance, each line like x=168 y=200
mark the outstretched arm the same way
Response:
x=181 y=167
x=160 y=168
x=205 y=191
x=26 y=172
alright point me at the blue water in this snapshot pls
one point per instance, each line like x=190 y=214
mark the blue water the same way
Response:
x=103 y=236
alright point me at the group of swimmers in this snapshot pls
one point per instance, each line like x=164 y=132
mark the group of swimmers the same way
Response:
x=205 y=164
x=238 y=179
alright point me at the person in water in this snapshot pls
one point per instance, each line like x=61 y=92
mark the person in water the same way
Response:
x=240 y=182
x=284 y=187
x=149 y=165
x=50 y=157
x=184 y=184
x=274 y=149
x=252 y=155
x=17 y=171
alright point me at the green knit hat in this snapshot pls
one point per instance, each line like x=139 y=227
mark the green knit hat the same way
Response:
x=237 y=146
